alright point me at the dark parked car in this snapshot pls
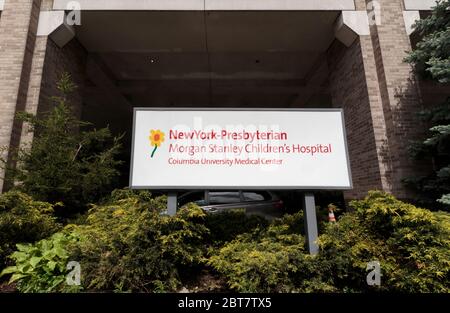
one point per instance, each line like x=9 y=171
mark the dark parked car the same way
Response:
x=263 y=203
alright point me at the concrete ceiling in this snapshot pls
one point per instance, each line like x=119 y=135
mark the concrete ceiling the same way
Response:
x=144 y=31
x=252 y=58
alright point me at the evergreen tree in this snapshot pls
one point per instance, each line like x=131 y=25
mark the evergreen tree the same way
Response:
x=69 y=161
x=431 y=60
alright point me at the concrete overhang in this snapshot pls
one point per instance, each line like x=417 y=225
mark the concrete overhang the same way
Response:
x=350 y=25
x=208 y=5
x=222 y=58
x=54 y=25
x=419 y=5
x=410 y=18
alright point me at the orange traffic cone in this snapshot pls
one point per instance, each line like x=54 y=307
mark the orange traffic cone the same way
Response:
x=331 y=217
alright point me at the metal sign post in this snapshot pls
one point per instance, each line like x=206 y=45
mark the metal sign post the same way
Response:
x=309 y=205
x=172 y=203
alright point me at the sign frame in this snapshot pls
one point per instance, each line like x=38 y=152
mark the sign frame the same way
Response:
x=237 y=187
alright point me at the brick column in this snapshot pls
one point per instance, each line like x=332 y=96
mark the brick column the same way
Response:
x=34 y=86
x=45 y=64
x=34 y=94
x=354 y=87
x=379 y=95
x=18 y=26
x=47 y=5
x=48 y=63
x=399 y=91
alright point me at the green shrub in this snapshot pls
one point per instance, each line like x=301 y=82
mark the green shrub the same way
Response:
x=346 y=248
x=258 y=262
x=42 y=267
x=411 y=244
x=227 y=225
x=295 y=222
x=127 y=244
x=23 y=220
x=270 y=260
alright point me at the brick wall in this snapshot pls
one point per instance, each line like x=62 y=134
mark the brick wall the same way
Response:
x=72 y=59
x=369 y=80
x=49 y=63
x=47 y=5
x=353 y=87
x=18 y=26
x=360 y=5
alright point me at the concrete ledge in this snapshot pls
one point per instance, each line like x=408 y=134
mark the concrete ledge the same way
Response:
x=410 y=17
x=419 y=5
x=210 y=5
x=350 y=25
x=49 y=21
x=53 y=24
x=133 y=5
x=2 y=3
x=276 y=5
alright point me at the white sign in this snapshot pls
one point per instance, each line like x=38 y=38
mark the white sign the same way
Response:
x=239 y=149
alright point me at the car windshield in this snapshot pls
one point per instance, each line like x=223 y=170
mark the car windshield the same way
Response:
x=256 y=196
x=224 y=197
x=197 y=197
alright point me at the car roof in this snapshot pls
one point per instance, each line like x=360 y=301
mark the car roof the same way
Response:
x=231 y=190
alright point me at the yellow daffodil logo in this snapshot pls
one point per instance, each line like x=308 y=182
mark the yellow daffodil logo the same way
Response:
x=156 y=139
